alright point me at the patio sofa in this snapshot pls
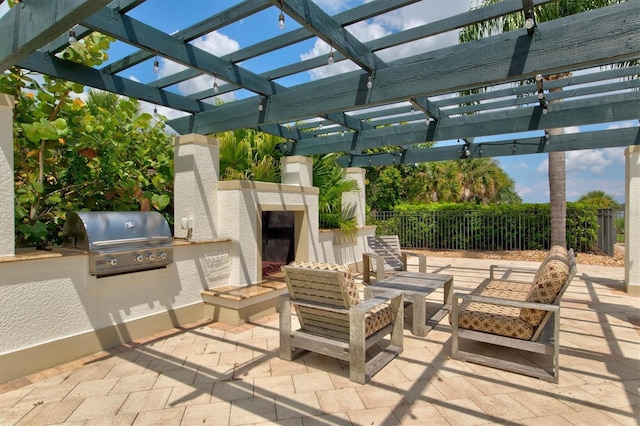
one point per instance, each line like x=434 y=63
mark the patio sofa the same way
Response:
x=515 y=314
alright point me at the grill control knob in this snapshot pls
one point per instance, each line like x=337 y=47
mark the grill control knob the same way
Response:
x=151 y=256
x=138 y=257
x=162 y=255
x=112 y=261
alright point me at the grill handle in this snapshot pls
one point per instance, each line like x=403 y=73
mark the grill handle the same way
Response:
x=123 y=241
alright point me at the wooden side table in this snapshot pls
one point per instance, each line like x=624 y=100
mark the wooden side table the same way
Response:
x=415 y=287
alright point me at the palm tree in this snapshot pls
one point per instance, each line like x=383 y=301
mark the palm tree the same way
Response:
x=557 y=167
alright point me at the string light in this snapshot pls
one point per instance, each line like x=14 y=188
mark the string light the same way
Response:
x=465 y=152
x=156 y=65
x=72 y=36
x=281 y=18
x=331 y=59
x=260 y=107
x=514 y=147
x=547 y=137
x=216 y=89
x=370 y=82
x=530 y=22
x=155 y=110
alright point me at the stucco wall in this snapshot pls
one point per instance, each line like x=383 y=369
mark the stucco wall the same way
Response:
x=53 y=298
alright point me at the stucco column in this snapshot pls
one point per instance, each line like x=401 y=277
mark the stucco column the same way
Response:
x=632 y=221
x=7 y=231
x=196 y=165
x=356 y=199
x=296 y=170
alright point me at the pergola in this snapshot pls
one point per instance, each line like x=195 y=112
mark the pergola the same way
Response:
x=397 y=103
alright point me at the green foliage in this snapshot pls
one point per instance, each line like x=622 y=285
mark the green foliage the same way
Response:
x=469 y=226
x=599 y=200
x=246 y=154
x=70 y=156
x=328 y=177
x=476 y=180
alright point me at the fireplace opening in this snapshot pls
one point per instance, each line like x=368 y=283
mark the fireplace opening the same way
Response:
x=278 y=240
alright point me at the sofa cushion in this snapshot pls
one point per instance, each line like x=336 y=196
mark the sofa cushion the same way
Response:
x=496 y=319
x=547 y=284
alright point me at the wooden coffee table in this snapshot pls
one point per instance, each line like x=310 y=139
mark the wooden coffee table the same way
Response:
x=415 y=287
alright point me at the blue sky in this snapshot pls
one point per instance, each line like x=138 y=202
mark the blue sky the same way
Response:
x=587 y=170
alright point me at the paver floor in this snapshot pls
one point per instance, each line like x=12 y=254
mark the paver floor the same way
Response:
x=210 y=373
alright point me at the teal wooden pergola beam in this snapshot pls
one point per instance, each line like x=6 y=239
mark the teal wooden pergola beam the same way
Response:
x=499 y=59
x=30 y=25
x=523 y=146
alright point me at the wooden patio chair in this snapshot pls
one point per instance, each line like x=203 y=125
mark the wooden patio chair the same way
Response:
x=386 y=257
x=334 y=322
x=514 y=314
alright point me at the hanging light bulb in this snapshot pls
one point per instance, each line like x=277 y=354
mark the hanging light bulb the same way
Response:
x=320 y=126
x=260 y=107
x=72 y=36
x=331 y=59
x=156 y=65
x=216 y=89
x=281 y=18
x=369 y=82
x=155 y=110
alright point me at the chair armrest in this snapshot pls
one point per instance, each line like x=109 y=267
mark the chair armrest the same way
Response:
x=506 y=302
x=379 y=299
x=493 y=268
x=422 y=259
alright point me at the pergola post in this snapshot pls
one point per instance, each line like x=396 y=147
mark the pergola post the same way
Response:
x=196 y=165
x=356 y=199
x=7 y=225
x=632 y=221
x=296 y=170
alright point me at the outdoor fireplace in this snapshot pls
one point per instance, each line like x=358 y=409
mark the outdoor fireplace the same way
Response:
x=278 y=240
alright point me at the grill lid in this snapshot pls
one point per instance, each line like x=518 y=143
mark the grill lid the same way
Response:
x=101 y=230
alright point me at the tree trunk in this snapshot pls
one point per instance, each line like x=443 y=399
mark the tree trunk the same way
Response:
x=557 y=182
x=558 y=194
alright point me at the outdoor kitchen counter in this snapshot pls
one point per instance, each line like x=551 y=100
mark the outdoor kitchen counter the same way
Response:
x=59 y=251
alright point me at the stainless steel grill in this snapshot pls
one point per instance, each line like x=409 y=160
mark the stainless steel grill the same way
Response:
x=120 y=242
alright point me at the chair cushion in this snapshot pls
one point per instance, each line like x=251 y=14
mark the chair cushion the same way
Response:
x=351 y=289
x=546 y=286
x=376 y=319
x=496 y=319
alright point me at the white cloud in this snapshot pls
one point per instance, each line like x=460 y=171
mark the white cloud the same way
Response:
x=593 y=161
x=215 y=43
x=389 y=23
x=333 y=6
x=520 y=166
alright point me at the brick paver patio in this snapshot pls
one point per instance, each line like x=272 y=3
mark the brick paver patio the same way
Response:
x=216 y=374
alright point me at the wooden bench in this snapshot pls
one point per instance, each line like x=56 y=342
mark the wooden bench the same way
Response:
x=237 y=305
x=515 y=314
